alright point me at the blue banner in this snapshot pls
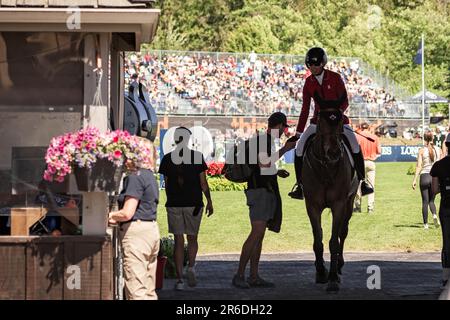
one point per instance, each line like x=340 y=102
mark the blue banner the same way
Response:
x=388 y=154
x=399 y=153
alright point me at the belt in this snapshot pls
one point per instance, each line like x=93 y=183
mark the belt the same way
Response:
x=144 y=220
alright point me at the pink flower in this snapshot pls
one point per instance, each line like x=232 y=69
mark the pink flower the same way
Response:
x=47 y=176
x=117 y=154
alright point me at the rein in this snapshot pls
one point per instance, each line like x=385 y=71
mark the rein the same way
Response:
x=332 y=117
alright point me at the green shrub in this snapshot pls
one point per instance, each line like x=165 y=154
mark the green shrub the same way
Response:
x=166 y=248
x=222 y=184
x=411 y=170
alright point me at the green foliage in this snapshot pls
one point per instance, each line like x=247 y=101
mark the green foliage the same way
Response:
x=222 y=184
x=385 y=33
x=167 y=245
x=411 y=170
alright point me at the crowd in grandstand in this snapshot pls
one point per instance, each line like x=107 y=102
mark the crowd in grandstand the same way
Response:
x=250 y=86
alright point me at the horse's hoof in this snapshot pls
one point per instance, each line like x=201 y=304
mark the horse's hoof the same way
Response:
x=322 y=277
x=333 y=287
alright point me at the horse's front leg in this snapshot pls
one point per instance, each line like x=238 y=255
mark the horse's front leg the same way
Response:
x=344 y=232
x=315 y=217
x=338 y=212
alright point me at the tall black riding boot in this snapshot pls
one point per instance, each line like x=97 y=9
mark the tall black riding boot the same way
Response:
x=361 y=172
x=297 y=191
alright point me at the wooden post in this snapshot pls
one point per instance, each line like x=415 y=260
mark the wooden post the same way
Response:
x=95 y=204
x=95 y=213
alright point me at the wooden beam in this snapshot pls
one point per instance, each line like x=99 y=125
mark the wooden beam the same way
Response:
x=71 y=3
x=8 y=3
x=38 y=3
x=142 y=22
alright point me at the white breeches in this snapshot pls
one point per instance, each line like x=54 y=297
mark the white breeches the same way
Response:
x=312 y=130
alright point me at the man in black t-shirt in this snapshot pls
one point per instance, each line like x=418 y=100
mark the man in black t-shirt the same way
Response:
x=184 y=173
x=441 y=184
x=439 y=138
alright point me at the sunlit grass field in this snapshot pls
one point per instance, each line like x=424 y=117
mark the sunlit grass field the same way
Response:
x=396 y=224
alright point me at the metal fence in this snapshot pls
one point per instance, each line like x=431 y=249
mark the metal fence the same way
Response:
x=239 y=103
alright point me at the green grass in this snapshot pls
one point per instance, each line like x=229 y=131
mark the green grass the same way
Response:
x=396 y=224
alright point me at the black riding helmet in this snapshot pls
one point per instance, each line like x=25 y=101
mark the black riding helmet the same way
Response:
x=316 y=56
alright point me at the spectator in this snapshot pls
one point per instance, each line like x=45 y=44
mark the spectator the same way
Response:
x=427 y=156
x=439 y=138
x=371 y=150
x=441 y=183
x=185 y=179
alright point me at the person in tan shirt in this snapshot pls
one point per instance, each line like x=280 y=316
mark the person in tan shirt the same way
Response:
x=371 y=151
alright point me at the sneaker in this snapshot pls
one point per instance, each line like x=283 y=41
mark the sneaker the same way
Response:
x=425 y=226
x=365 y=188
x=436 y=221
x=260 y=283
x=370 y=211
x=239 y=282
x=179 y=286
x=296 y=193
x=191 y=278
x=357 y=209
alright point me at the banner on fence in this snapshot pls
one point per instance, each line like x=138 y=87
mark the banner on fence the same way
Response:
x=388 y=154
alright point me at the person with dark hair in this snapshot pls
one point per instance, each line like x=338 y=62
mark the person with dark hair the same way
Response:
x=427 y=156
x=327 y=89
x=263 y=198
x=440 y=183
x=439 y=138
x=371 y=150
x=444 y=145
x=184 y=173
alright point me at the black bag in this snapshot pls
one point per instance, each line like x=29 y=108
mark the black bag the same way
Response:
x=237 y=168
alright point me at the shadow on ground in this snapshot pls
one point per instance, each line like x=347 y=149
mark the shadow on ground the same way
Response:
x=417 y=225
x=403 y=276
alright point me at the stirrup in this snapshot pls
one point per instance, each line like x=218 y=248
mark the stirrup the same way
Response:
x=296 y=192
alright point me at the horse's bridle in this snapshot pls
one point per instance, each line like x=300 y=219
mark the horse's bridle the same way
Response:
x=334 y=117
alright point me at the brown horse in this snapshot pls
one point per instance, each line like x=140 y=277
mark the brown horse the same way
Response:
x=329 y=181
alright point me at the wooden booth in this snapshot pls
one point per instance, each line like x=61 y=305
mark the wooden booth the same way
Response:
x=61 y=69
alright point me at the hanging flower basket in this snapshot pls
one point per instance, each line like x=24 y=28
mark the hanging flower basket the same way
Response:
x=103 y=176
x=96 y=159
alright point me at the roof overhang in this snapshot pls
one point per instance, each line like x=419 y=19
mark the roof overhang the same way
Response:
x=142 y=22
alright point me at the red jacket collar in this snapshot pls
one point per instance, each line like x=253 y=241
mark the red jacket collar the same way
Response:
x=326 y=72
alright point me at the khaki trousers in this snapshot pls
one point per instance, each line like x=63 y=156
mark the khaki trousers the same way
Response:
x=140 y=247
x=370 y=176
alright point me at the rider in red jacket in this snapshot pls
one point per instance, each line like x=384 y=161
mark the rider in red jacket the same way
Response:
x=324 y=87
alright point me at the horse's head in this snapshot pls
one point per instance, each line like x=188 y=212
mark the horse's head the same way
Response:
x=330 y=126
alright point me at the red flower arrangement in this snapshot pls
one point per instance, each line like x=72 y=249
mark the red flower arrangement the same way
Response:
x=214 y=169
